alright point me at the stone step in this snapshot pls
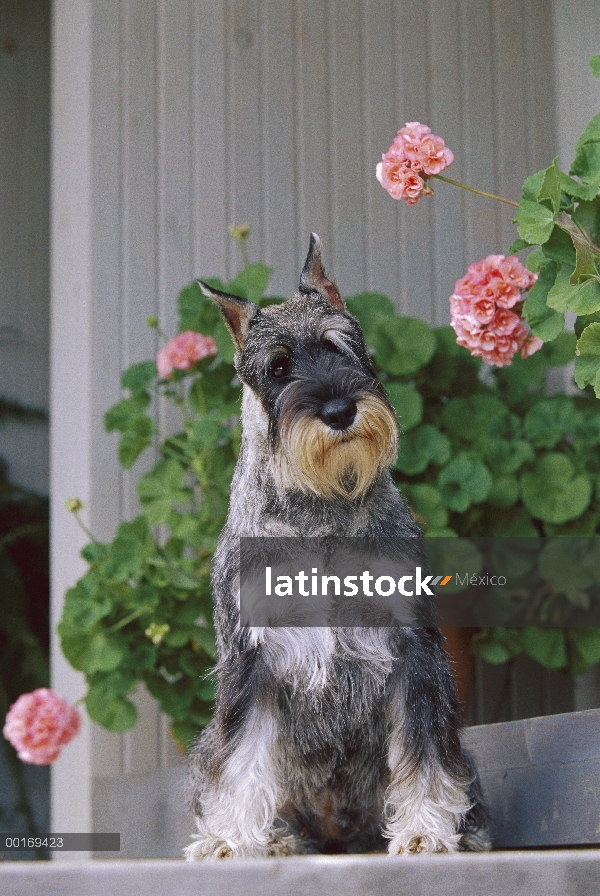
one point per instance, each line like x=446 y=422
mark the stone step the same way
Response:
x=518 y=873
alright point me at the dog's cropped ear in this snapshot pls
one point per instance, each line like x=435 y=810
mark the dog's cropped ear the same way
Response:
x=237 y=313
x=313 y=279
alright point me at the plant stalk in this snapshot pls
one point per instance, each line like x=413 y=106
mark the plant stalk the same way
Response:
x=457 y=183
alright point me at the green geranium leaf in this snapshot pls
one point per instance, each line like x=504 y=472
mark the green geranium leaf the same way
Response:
x=160 y=489
x=403 y=345
x=251 y=282
x=85 y=605
x=586 y=165
x=535 y=222
x=123 y=415
x=139 y=377
x=208 y=431
x=553 y=492
x=426 y=504
x=517 y=246
x=469 y=418
x=532 y=187
x=587 y=372
x=135 y=440
x=550 y=188
x=94 y=551
x=563 y=563
x=584 y=648
x=589 y=341
x=504 y=491
x=496 y=645
x=129 y=550
x=185 y=733
x=363 y=305
x=559 y=247
x=196 y=311
x=576 y=189
x=462 y=558
x=506 y=457
x=563 y=291
x=587 y=298
x=560 y=351
x=464 y=481
x=95 y=652
x=407 y=403
x=116 y=713
x=548 y=421
x=544 y=322
x=595 y=65
x=421 y=447
x=535 y=260
x=547 y=646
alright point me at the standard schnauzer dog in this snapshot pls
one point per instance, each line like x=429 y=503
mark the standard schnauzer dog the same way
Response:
x=325 y=739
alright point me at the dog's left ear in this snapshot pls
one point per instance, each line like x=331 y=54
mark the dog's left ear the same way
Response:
x=313 y=279
x=237 y=313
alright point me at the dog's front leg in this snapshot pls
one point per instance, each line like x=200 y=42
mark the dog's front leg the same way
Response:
x=240 y=796
x=428 y=795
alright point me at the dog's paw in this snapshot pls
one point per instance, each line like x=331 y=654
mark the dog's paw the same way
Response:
x=411 y=843
x=284 y=845
x=209 y=848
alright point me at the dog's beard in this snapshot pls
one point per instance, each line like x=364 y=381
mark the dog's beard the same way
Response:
x=313 y=457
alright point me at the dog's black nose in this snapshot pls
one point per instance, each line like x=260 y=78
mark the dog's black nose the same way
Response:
x=339 y=413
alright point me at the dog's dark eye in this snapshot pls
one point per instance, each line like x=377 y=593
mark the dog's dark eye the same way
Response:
x=279 y=367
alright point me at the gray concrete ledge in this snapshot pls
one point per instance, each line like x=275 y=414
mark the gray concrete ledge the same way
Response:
x=535 y=873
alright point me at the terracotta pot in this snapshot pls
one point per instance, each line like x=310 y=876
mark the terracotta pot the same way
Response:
x=462 y=661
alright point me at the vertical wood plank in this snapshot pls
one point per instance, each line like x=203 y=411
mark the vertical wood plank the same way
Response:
x=576 y=30
x=477 y=165
x=246 y=196
x=174 y=159
x=382 y=244
x=346 y=76
x=279 y=143
x=446 y=50
x=510 y=97
x=414 y=104
x=314 y=139
x=138 y=250
x=210 y=148
x=70 y=285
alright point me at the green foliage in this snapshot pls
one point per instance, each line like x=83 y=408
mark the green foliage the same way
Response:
x=560 y=213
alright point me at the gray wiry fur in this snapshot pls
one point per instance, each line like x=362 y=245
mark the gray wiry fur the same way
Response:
x=324 y=739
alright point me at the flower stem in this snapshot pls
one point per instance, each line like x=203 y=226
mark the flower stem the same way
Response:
x=457 y=183
x=123 y=622
x=83 y=527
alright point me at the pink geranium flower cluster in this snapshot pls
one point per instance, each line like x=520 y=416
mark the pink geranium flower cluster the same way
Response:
x=414 y=156
x=486 y=310
x=183 y=351
x=39 y=724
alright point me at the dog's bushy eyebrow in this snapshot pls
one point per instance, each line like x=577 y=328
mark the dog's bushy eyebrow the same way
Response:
x=341 y=336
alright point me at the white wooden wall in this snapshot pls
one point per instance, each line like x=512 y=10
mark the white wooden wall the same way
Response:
x=172 y=120
x=24 y=232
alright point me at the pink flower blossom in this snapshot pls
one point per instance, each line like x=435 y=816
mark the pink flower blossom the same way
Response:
x=485 y=310
x=183 y=351
x=414 y=156
x=39 y=724
x=531 y=345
